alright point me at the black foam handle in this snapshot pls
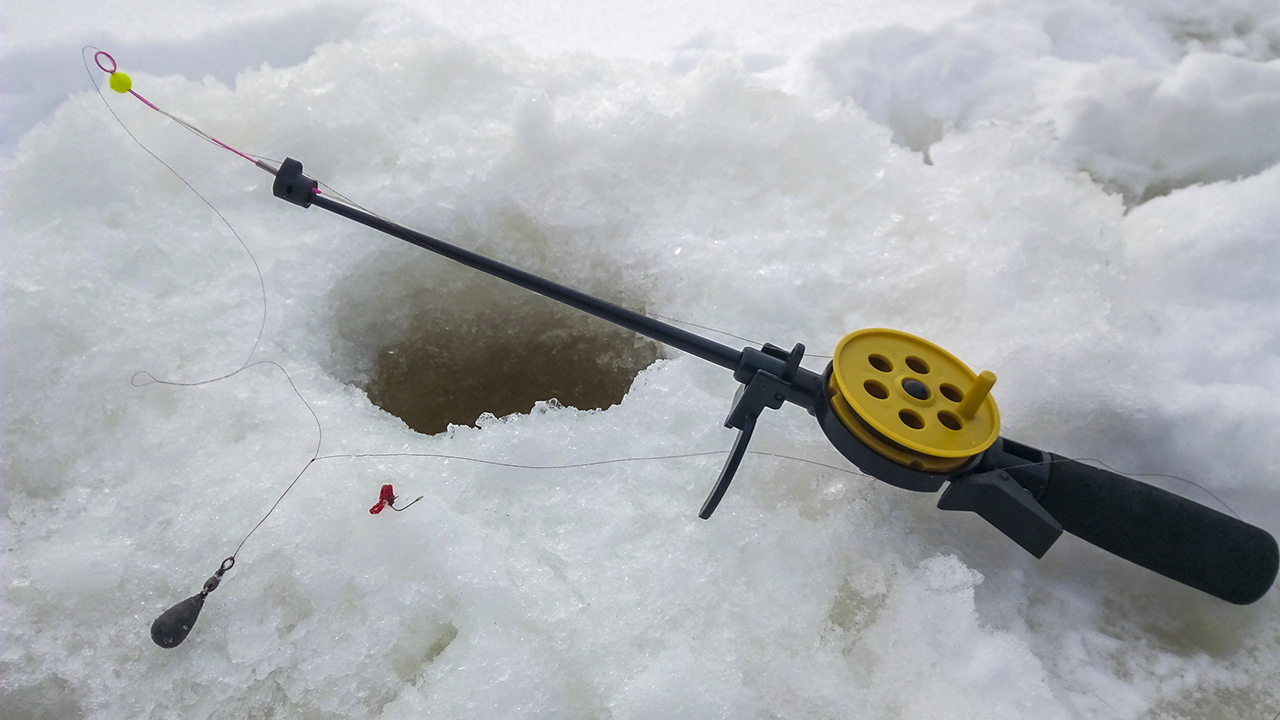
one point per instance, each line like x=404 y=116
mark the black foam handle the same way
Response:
x=1180 y=539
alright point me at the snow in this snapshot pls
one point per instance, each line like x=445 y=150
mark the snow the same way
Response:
x=1145 y=102
x=1079 y=196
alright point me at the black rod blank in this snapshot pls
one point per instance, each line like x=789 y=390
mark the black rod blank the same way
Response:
x=708 y=350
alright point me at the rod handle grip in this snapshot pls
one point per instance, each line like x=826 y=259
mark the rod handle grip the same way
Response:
x=1166 y=533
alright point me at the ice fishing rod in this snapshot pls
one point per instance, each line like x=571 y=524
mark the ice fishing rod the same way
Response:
x=909 y=413
x=900 y=408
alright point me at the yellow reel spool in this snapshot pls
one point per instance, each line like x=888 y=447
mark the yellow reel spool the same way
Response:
x=911 y=401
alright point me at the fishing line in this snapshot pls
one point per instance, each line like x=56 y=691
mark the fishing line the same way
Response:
x=143 y=378
x=1192 y=483
x=262 y=285
x=99 y=57
x=668 y=318
x=747 y=340
x=172 y=627
x=121 y=83
x=256 y=159
x=589 y=463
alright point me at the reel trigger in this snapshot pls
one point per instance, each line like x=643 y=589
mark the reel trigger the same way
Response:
x=764 y=390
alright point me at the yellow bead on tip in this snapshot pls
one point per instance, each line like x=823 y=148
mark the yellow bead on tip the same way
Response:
x=120 y=82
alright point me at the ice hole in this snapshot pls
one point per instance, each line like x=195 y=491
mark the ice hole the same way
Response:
x=464 y=349
x=435 y=376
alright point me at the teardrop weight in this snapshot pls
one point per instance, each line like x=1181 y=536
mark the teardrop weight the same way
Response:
x=171 y=628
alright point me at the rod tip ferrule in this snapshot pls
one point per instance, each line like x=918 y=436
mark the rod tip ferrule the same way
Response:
x=292 y=185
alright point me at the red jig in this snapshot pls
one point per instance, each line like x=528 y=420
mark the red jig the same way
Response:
x=387 y=499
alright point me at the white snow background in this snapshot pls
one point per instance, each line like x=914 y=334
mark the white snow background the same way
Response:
x=1080 y=195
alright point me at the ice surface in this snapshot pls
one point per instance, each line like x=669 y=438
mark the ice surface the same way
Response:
x=1146 y=97
x=701 y=181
